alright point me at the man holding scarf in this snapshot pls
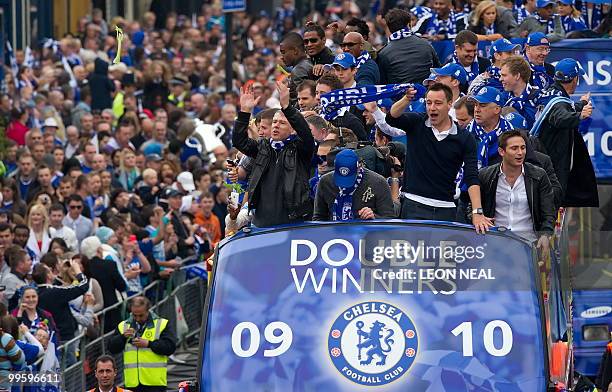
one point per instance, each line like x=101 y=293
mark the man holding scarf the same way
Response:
x=278 y=187
x=367 y=69
x=436 y=151
x=352 y=192
x=406 y=58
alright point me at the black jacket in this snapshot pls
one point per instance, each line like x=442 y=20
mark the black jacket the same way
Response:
x=539 y=195
x=542 y=160
x=351 y=121
x=373 y=192
x=407 y=60
x=296 y=158
x=55 y=299
x=560 y=137
x=101 y=86
x=107 y=274
x=326 y=56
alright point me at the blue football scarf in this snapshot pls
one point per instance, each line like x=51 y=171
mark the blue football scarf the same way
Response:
x=539 y=77
x=522 y=14
x=573 y=24
x=487 y=141
x=343 y=204
x=447 y=27
x=278 y=145
x=363 y=57
x=474 y=69
x=535 y=130
x=525 y=104
x=550 y=24
x=399 y=34
x=334 y=101
x=490 y=30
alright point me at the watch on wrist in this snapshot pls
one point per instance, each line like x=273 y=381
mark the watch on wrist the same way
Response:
x=477 y=211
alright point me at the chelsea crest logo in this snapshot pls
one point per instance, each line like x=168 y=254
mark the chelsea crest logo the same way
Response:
x=373 y=343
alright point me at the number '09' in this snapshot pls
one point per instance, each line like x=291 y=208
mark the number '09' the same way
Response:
x=465 y=329
x=283 y=340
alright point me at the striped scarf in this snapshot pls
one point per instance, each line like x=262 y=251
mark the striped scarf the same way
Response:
x=343 y=204
x=539 y=77
x=550 y=24
x=447 y=27
x=363 y=57
x=399 y=34
x=526 y=103
x=487 y=141
x=278 y=145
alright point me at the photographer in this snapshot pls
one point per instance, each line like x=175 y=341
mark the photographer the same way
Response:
x=146 y=342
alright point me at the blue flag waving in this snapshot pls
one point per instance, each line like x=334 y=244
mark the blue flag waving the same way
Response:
x=332 y=102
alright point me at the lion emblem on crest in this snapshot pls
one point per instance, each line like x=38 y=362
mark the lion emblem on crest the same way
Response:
x=374 y=342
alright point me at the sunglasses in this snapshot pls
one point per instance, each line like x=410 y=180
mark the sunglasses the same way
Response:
x=320 y=159
x=348 y=44
x=311 y=40
x=76 y=207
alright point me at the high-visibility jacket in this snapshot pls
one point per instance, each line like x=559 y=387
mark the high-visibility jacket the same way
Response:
x=141 y=365
x=116 y=389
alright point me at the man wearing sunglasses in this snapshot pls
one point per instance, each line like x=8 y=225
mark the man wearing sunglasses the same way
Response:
x=319 y=54
x=367 y=69
x=82 y=226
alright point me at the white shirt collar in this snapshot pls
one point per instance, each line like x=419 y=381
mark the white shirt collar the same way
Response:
x=504 y=174
x=442 y=135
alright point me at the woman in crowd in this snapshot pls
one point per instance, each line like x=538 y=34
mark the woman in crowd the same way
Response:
x=571 y=18
x=10 y=197
x=483 y=22
x=38 y=222
x=128 y=172
x=58 y=247
x=29 y=314
x=97 y=200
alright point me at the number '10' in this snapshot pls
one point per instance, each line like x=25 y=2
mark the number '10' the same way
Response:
x=465 y=329
x=283 y=340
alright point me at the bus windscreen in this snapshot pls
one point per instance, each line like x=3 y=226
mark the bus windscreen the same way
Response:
x=341 y=307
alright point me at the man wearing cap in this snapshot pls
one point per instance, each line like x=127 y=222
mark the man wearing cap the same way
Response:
x=499 y=51
x=488 y=124
x=436 y=151
x=178 y=91
x=352 y=192
x=344 y=67
x=543 y=21
x=537 y=49
x=559 y=135
x=515 y=75
x=294 y=56
x=278 y=186
x=454 y=76
x=466 y=55
x=367 y=69
x=406 y=58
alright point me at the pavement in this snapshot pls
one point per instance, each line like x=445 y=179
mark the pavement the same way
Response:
x=182 y=366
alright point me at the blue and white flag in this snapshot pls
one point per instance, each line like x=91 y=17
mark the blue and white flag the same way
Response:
x=12 y=61
x=334 y=101
x=29 y=60
x=197 y=270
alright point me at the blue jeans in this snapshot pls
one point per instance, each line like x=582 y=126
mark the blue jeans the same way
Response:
x=415 y=210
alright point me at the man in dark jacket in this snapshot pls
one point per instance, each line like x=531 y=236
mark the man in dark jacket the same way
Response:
x=278 y=187
x=563 y=142
x=397 y=60
x=367 y=69
x=55 y=299
x=101 y=86
x=518 y=194
x=319 y=54
x=293 y=55
x=352 y=192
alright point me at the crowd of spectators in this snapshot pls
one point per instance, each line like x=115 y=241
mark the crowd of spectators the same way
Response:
x=115 y=173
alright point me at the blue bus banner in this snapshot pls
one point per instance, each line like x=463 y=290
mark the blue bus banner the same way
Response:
x=342 y=307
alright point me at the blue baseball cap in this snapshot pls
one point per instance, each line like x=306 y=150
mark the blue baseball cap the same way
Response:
x=544 y=3
x=430 y=78
x=517 y=121
x=345 y=168
x=453 y=70
x=503 y=45
x=567 y=2
x=535 y=39
x=488 y=95
x=567 y=69
x=345 y=60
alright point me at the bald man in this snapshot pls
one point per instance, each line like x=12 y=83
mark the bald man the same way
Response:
x=294 y=55
x=367 y=69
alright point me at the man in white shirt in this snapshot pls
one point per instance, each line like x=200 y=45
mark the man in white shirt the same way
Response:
x=58 y=230
x=82 y=226
x=518 y=194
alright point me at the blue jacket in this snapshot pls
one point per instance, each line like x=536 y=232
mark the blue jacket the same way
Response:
x=368 y=73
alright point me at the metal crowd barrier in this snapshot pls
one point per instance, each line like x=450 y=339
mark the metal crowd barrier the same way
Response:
x=191 y=294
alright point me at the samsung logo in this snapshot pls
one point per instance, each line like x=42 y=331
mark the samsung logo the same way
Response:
x=595 y=312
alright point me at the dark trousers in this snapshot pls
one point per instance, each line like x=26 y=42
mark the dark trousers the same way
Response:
x=414 y=210
x=146 y=388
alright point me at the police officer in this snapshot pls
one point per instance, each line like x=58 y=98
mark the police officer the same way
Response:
x=106 y=372
x=146 y=342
